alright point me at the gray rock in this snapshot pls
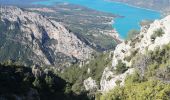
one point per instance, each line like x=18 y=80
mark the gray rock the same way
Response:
x=49 y=42
x=90 y=84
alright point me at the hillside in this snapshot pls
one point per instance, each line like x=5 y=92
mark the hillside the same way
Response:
x=136 y=69
x=89 y=25
x=151 y=37
x=19 y=82
x=42 y=58
x=31 y=38
x=141 y=63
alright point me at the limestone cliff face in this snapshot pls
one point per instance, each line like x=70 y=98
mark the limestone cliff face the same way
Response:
x=90 y=84
x=144 y=41
x=49 y=42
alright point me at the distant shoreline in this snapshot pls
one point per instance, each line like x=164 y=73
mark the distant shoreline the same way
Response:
x=133 y=6
x=123 y=6
x=117 y=3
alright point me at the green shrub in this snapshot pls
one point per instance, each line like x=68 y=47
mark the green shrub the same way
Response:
x=76 y=75
x=37 y=83
x=128 y=58
x=18 y=80
x=118 y=82
x=146 y=90
x=154 y=85
x=120 y=67
x=157 y=33
x=134 y=41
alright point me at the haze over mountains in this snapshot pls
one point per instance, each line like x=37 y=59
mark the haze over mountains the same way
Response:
x=17 y=1
x=160 y=5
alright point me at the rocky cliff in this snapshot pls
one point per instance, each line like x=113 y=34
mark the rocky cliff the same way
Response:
x=151 y=36
x=32 y=38
x=89 y=25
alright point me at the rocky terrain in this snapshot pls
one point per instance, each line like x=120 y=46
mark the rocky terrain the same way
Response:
x=139 y=45
x=91 y=26
x=137 y=69
x=32 y=38
x=151 y=37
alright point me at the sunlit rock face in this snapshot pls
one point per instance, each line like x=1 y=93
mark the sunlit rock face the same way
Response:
x=48 y=41
x=139 y=44
x=90 y=84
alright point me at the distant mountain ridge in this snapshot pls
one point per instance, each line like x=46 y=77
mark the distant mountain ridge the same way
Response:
x=160 y=5
x=16 y=1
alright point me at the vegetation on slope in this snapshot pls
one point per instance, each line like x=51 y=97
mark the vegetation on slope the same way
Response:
x=157 y=33
x=76 y=74
x=145 y=90
x=151 y=81
x=22 y=82
x=120 y=67
x=47 y=84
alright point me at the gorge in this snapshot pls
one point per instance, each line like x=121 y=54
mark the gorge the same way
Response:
x=84 y=50
x=131 y=16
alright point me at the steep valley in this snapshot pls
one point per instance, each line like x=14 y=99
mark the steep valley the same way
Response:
x=93 y=27
x=69 y=52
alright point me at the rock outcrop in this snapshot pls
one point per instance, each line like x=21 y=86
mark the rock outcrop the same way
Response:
x=110 y=80
x=48 y=41
x=139 y=44
x=90 y=84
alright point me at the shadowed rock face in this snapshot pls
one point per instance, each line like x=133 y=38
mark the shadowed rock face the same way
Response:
x=32 y=38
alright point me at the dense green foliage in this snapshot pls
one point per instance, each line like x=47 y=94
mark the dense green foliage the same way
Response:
x=76 y=74
x=20 y=81
x=151 y=81
x=120 y=67
x=68 y=85
x=159 y=63
x=137 y=90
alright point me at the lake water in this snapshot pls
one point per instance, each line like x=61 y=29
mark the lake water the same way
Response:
x=132 y=15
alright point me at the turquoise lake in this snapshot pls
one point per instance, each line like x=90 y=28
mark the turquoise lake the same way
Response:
x=132 y=15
